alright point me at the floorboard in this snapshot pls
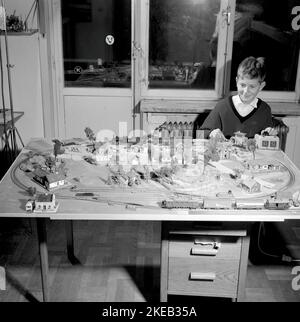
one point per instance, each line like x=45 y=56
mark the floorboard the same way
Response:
x=120 y=261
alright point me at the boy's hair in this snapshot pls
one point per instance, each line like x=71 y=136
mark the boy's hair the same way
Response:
x=253 y=68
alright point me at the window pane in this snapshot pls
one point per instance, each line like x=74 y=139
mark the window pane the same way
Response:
x=182 y=49
x=97 y=43
x=264 y=28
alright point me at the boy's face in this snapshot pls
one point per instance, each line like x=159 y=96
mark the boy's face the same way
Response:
x=248 y=88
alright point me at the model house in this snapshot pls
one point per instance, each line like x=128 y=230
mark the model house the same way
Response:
x=267 y=142
x=250 y=185
x=49 y=180
x=45 y=202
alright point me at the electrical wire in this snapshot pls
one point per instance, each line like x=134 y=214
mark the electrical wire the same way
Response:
x=283 y=257
x=261 y=224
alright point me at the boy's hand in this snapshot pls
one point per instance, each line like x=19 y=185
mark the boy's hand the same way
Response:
x=217 y=134
x=270 y=131
x=296 y=198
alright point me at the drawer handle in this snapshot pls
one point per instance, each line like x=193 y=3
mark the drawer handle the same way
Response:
x=204 y=251
x=215 y=245
x=194 y=276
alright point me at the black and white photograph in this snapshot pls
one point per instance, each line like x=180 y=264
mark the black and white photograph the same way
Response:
x=150 y=153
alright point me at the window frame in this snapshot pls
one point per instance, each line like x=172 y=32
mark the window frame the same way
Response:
x=269 y=96
x=139 y=65
x=222 y=80
x=99 y=91
x=193 y=94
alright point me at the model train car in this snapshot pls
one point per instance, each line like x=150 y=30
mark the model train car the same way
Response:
x=281 y=204
x=255 y=203
x=217 y=203
x=173 y=204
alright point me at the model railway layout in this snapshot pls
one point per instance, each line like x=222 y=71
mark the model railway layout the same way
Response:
x=234 y=181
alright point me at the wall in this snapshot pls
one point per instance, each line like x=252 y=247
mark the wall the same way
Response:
x=25 y=75
x=79 y=111
x=98 y=113
x=292 y=148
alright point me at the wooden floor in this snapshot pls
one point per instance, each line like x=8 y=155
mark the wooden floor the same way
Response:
x=119 y=261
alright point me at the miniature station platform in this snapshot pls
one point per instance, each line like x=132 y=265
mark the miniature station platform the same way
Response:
x=90 y=182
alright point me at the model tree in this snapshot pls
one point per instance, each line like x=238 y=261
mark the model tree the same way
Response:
x=50 y=163
x=147 y=175
x=65 y=171
x=211 y=153
x=32 y=191
x=57 y=148
x=251 y=146
x=91 y=136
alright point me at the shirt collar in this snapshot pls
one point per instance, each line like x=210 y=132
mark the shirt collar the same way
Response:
x=238 y=101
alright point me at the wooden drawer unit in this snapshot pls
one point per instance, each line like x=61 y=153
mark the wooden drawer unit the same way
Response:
x=204 y=263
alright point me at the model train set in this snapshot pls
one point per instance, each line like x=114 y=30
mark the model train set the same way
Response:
x=231 y=177
x=272 y=203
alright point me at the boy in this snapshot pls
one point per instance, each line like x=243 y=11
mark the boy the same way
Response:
x=243 y=112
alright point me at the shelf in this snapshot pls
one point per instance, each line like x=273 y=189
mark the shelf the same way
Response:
x=20 y=33
x=17 y=116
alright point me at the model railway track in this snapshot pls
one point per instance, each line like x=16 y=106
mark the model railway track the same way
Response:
x=118 y=190
x=108 y=201
x=89 y=194
x=18 y=183
x=292 y=177
x=14 y=177
x=261 y=195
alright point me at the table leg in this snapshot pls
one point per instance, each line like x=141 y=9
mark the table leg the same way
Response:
x=164 y=264
x=42 y=240
x=243 y=267
x=70 y=242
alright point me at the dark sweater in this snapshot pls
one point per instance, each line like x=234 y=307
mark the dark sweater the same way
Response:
x=226 y=118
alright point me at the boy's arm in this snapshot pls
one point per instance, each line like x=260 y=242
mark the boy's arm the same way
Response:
x=271 y=123
x=212 y=122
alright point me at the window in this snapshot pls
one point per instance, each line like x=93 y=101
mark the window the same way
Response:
x=182 y=49
x=96 y=43
x=263 y=28
x=179 y=49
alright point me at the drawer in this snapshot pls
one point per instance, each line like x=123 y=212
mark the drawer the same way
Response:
x=207 y=228
x=205 y=276
x=218 y=247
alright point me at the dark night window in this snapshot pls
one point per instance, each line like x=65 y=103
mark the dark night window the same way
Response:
x=182 y=51
x=264 y=28
x=97 y=43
